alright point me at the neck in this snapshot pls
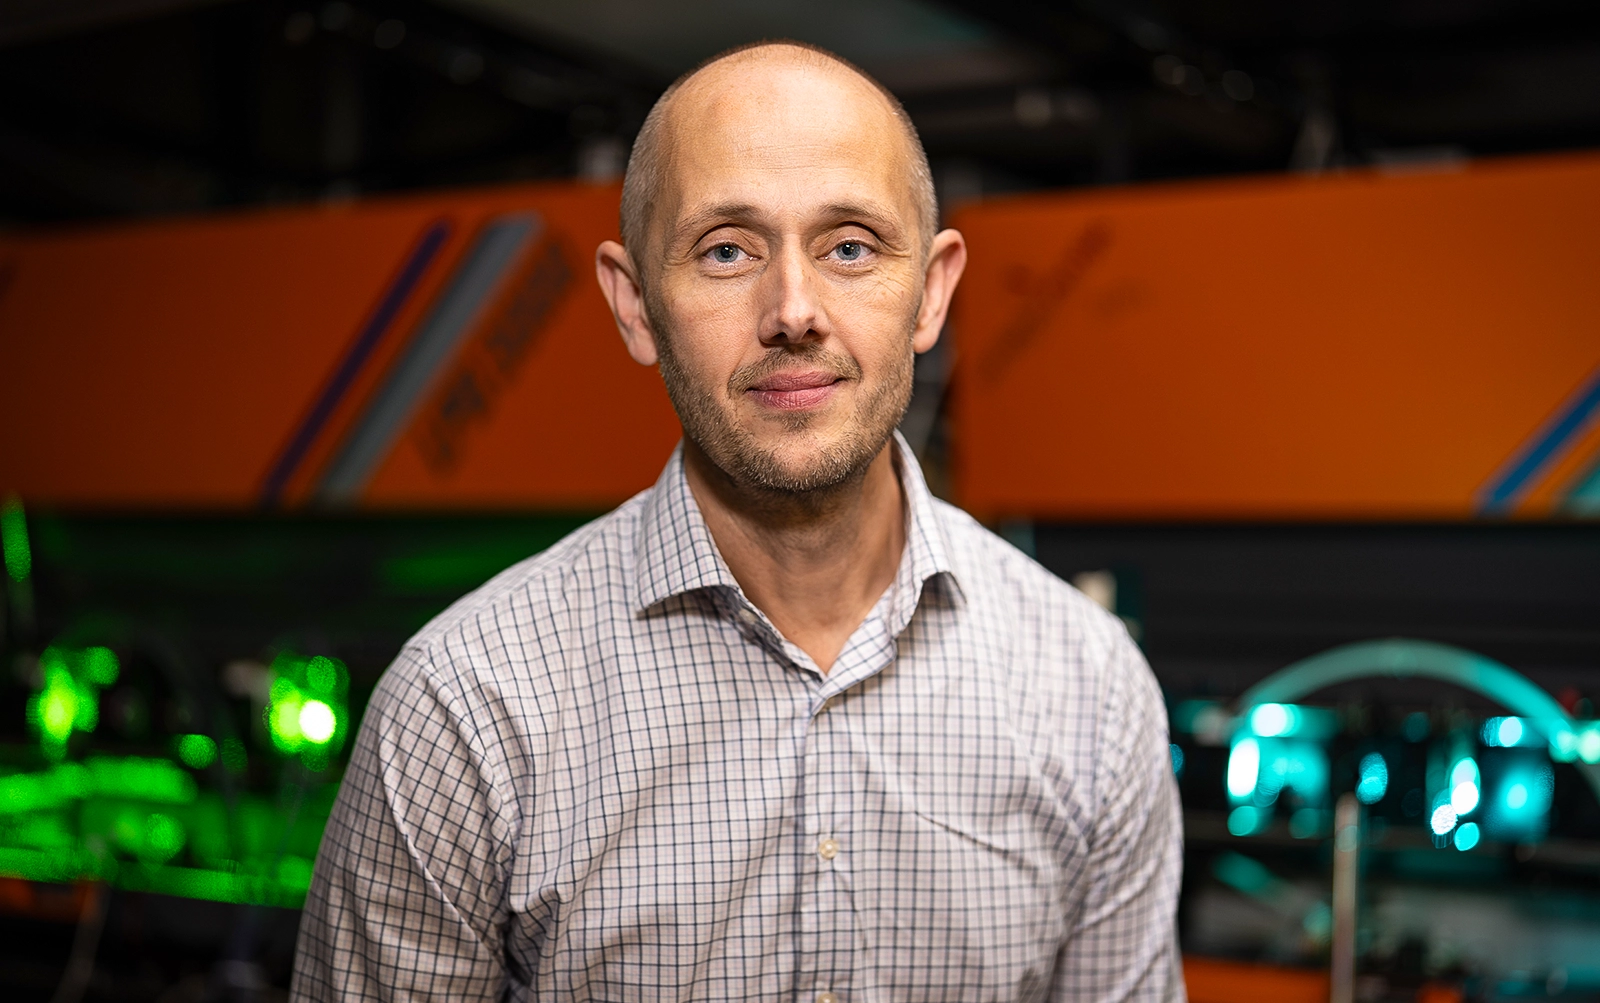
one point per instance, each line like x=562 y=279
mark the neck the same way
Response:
x=815 y=563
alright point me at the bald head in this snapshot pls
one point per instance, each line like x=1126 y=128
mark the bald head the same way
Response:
x=768 y=80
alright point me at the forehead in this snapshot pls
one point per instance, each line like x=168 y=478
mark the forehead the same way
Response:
x=783 y=135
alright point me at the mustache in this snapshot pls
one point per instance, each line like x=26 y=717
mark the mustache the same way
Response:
x=813 y=356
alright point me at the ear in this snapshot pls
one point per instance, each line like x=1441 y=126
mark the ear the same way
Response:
x=619 y=281
x=947 y=259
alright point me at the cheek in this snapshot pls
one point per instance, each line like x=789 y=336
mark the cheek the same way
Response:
x=710 y=332
x=874 y=317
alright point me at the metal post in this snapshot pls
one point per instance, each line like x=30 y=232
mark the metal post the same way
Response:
x=1346 y=861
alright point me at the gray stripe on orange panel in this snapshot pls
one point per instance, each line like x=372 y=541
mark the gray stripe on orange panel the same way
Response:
x=471 y=290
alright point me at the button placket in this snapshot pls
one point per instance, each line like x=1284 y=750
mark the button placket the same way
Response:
x=829 y=914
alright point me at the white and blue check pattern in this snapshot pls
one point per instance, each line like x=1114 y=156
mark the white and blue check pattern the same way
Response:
x=606 y=776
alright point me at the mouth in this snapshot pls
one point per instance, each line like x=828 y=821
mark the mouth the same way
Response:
x=796 y=390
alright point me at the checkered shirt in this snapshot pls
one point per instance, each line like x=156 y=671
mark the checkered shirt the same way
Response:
x=606 y=775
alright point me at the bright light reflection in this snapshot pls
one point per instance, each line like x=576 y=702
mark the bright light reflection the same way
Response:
x=1270 y=720
x=1244 y=764
x=1467 y=836
x=316 y=721
x=1443 y=820
x=1589 y=745
x=1374 y=782
x=1464 y=797
x=1510 y=731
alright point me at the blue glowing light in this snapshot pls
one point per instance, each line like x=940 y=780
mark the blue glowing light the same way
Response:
x=1506 y=732
x=1244 y=820
x=1464 y=783
x=1374 y=779
x=1270 y=720
x=1517 y=796
x=1177 y=761
x=1244 y=766
x=1467 y=836
x=1442 y=820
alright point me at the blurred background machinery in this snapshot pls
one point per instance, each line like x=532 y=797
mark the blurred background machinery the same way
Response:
x=299 y=345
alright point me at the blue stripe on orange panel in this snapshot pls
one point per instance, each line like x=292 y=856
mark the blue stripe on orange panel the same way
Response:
x=1520 y=473
x=377 y=325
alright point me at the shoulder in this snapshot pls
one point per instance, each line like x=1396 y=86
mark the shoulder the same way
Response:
x=1006 y=583
x=528 y=605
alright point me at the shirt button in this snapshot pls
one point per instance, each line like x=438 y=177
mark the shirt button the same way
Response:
x=827 y=850
x=827 y=998
x=747 y=616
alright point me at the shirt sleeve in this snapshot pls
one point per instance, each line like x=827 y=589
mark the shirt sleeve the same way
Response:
x=1124 y=944
x=407 y=900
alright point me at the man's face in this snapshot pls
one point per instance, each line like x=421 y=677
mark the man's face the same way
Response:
x=784 y=273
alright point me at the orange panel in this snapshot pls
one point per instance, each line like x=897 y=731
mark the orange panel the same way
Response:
x=165 y=363
x=1354 y=346
x=1210 y=980
x=220 y=361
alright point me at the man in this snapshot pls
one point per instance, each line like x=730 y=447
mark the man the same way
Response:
x=783 y=727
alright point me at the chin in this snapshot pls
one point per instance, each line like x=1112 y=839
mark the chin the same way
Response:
x=803 y=464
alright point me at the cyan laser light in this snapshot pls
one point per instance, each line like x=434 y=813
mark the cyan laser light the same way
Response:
x=1404 y=658
x=1443 y=819
x=1244 y=768
x=1464 y=781
x=1509 y=733
x=1373 y=780
x=1246 y=820
x=1517 y=795
x=1271 y=720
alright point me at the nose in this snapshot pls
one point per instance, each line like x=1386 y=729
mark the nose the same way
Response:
x=793 y=311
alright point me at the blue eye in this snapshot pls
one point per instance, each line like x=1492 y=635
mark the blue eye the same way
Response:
x=725 y=254
x=850 y=250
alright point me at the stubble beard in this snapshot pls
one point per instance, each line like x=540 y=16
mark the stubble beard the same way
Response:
x=707 y=417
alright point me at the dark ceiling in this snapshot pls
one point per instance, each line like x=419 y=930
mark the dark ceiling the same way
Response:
x=120 y=108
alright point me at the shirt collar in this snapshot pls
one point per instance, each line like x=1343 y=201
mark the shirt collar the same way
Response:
x=675 y=553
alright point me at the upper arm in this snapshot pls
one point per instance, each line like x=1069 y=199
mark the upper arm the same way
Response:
x=407 y=901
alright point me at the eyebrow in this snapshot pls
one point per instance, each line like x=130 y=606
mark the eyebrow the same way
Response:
x=703 y=220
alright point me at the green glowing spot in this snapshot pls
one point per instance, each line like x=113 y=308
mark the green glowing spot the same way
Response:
x=14 y=539
x=316 y=721
x=295 y=872
x=127 y=830
x=197 y=751
x=101 y=666
x=70 y=698
x=307 y=715
x=164 y=836
x=283 y=720
x=233 y=755
x=58 y=709
x=322 y=675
